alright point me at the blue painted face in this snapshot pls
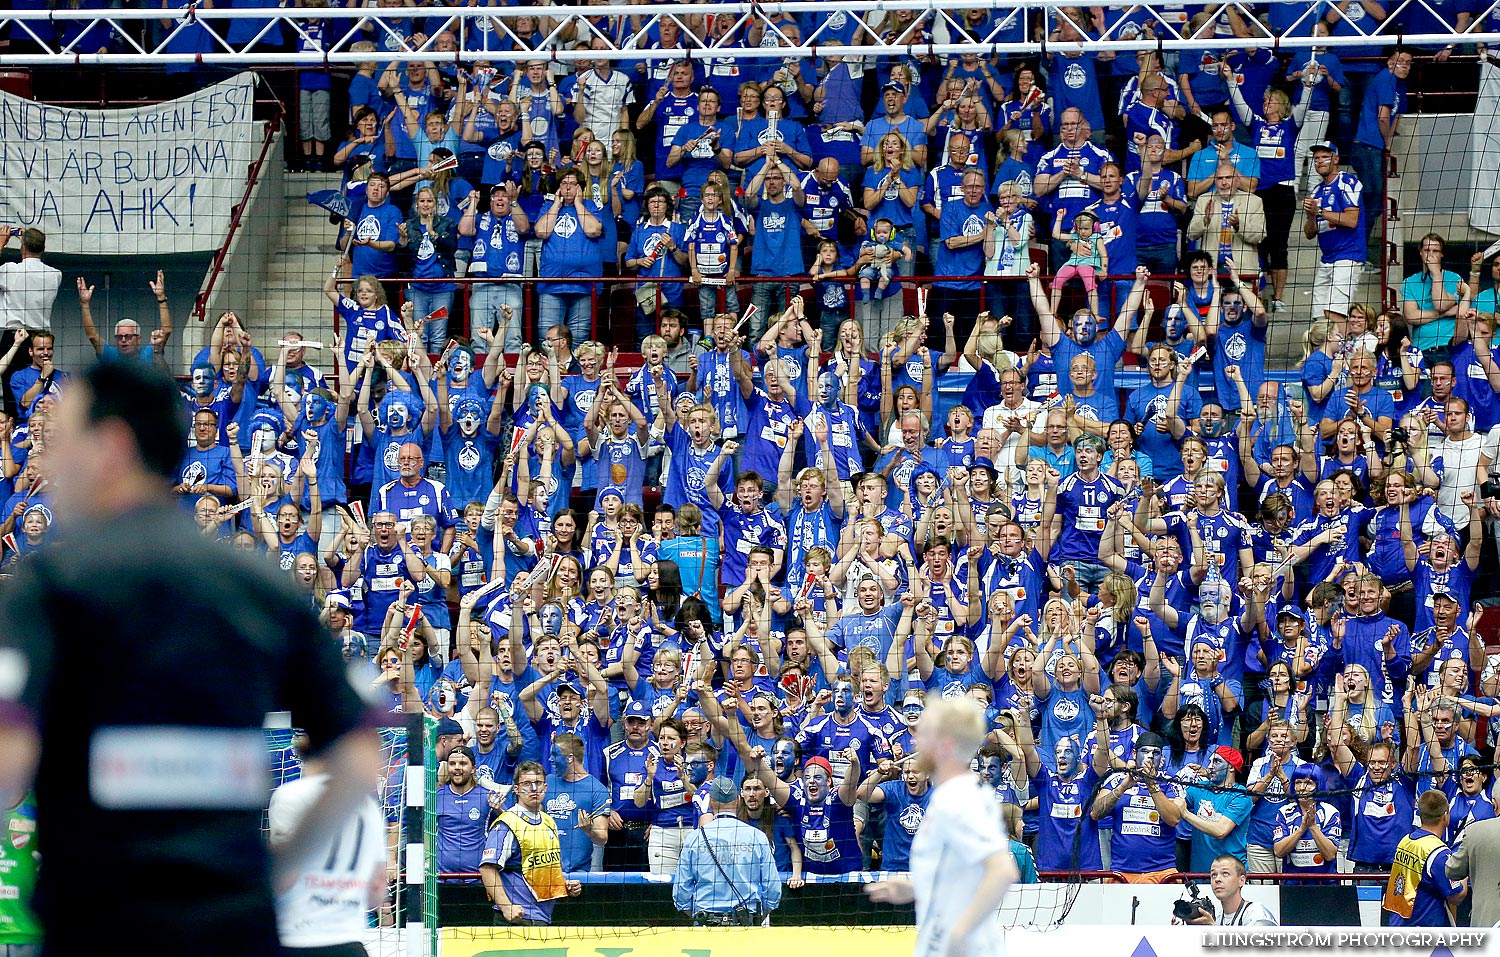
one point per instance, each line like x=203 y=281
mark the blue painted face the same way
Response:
x=1175 y=325
x=843 y=697
x=1218 y=770
x=461 y=365
x=469 y=415
x=1085 y=329
x=538 y=396
x=783 y=759
x=828 y=390
x=559 y=761
x=397 y=417
x=1066 y=753
x=315 y=407
x=263 y=438
x=551 y=619
x=698 y=770
x=203 y=380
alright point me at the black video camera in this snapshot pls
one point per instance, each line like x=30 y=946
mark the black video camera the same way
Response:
x=1194 y=905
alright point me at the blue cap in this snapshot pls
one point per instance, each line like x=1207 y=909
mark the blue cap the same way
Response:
x=638 y=709
x=449 y=726
x=618 y=491
x=570 y=684
x=723 y=791
x=896 y=85
x=1323 y=146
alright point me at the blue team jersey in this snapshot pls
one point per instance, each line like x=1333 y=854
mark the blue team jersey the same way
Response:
x=689 y=472
x=1140 y=842
x=461 y=820
x=1305 y=857
x=1381 y=816
x=742 y=532
x=1341 y=243
x=826 y=830
x=1083 y=506
x=1062 y=811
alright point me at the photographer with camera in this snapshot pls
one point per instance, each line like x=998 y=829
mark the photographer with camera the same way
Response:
x=1227 y=879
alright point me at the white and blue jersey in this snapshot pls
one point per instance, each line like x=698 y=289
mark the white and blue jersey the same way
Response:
x=689 y=473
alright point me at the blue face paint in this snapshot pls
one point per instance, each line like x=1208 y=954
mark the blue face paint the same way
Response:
x=843 y=697
x=783 y=759
x=1218 y=771
x=468 y=415
x=397 y=417
x=551 y=619
x=1065 y=755
x=203 y=380
x=1176 y=324
x=461 y=365
x=559 y=761
x=1084 y=329
x=698 y=771
x=316 y=408
x=828 y=390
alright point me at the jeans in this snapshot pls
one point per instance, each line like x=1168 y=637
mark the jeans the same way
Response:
x=1011 y=296
x=485 y=300
x=434 y=331
x=963 y=304
x=574 y=308
x=708 y=301
x=1352 y=93
x=766 y=297
x=1160 y=258
x=1089 y=575
x=1369 y=166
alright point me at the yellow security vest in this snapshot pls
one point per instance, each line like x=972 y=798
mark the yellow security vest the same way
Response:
x=1407 y=869
x=541 y=854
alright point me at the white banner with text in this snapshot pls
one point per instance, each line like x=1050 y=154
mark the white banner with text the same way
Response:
x=145 y=180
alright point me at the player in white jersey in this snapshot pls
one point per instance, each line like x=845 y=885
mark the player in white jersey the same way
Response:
x=321 y=913
x=961 y=865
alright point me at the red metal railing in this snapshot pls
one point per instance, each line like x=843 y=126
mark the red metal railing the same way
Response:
x=623 y=313
x=252 y=178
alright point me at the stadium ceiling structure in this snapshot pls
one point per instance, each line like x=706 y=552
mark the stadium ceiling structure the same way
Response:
x=935 y=30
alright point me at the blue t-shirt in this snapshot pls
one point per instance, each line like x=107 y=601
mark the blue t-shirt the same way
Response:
x=375 y=223
x=1234 y=805
x=566 y=800
x=571 y=253
x=1384 y=90
x=903 y=816
x=960 y=220
x=461 y=820
x=1062 y=810
x=1106 y=351
x=778 y=238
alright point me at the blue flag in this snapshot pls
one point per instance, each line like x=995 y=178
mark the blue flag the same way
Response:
x=332 y=200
